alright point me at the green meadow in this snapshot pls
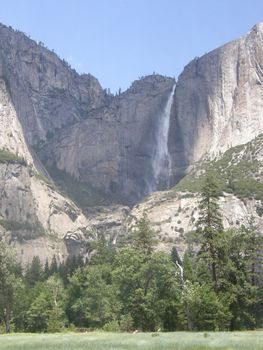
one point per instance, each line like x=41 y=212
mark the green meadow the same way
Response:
x=125 y=341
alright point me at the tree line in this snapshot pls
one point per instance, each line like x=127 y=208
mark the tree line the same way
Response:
x=217 y=285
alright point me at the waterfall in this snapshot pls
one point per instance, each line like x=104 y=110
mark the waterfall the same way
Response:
x=161 y=162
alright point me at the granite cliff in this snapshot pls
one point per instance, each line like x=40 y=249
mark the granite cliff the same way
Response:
x=219 y=99
x=104 y=142
x=61 y=128
x=34 y=217
x=110 y=144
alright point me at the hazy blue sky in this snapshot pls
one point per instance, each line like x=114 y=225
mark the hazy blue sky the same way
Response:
x=119 y=40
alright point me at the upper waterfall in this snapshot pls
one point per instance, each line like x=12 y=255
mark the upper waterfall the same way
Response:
x=161 y=162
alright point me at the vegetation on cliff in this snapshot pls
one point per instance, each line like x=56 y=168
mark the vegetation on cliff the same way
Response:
x=239 y=171
x=9 y=157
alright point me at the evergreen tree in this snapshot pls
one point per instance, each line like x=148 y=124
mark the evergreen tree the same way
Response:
x=144 y=236
x=210 y=228
x=53 y=266
x=104 y=252
x=175 y=256
x=68 y=267
x=240 y=278
x=46 y=269
x=10 y=284
x=34 y=272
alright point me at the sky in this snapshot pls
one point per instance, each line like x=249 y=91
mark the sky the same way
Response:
x=118 y=41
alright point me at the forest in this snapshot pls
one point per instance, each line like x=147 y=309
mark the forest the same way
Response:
x=215 y=286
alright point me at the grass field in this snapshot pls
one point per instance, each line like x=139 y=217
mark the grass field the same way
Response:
x=144 y=341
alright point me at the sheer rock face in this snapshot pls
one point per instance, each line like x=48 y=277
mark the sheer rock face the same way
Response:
x=11 y=133
x=112 y=149
x=108 y=142
x=219 y=99
x=29 y=207
x=46 y=93
x=102 y=140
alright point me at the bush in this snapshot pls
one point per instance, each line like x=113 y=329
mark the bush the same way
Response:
x=112 y=326
x=126 y=323
x=9 y=157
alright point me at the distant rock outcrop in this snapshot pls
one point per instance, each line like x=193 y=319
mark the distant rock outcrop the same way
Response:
x=219 y=99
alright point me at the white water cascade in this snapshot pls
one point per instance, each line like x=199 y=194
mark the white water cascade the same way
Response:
x=161 y=162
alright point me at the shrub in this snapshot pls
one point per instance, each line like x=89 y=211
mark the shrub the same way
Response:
x=112 y=326
x=126 y=323
x=9 y=157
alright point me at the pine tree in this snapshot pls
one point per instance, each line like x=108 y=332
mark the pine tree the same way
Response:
x=241 y=277
x=210 y=227
x=175 y=256
x=144 y=236
x=34 y=272
x=46 y=269
x=53 y=266
x=10 y=284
